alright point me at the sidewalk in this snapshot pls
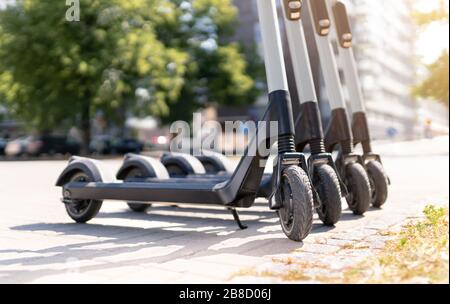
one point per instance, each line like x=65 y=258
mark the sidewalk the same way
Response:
x=40 y=244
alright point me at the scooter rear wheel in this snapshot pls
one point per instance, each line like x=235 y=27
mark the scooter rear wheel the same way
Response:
x=296 y=214
x=378 y=182
x=327 y=184
x=136 y=207
x=82 y=211
x=358 y=185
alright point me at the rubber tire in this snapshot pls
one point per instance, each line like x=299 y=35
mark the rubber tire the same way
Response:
x=210 y=168
x=91 y=210
x=327 y=185
x=358 y=185
x=176 y=171
x=301 y=203
x=379 y=183
x=136 y=207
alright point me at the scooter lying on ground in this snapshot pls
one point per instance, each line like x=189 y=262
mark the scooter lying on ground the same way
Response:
x=86 y=184
x=339 y=133
x=308 y=132
x=379 y=181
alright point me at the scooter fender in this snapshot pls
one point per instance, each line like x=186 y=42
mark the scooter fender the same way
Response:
x=326 y=158
x=280 y=163
x=374 y=157
x=219 y=161
x=188 y=163
x=95 y=169
x=151 y=167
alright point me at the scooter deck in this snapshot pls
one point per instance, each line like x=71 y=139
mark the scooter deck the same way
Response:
x=265 y=188
x=178 y=190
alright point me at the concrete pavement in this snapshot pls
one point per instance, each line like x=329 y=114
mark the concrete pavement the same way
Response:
x=40 y=244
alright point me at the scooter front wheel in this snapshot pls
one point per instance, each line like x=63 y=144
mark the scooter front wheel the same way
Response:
x=82 y=211
x=378 y=182
x=296 y=214
x=358 y=185
x=327 y=185
x=136 y=207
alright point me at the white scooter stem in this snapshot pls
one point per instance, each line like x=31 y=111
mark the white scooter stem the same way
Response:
x=328 y=62
x=273 y=51
x=299 y=54
x=348 y=63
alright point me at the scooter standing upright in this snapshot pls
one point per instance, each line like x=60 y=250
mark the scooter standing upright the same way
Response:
x=85 y=184
x=339 y=133
x=309 y=131
x=379 y=181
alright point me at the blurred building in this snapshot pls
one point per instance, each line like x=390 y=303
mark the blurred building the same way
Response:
x=385 y=38
x=385 y=51
x=4 y=3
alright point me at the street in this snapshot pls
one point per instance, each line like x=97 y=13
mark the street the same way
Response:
x=39 y=243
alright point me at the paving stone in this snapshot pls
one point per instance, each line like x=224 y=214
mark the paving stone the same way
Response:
x=319 y=248
x=339 y=243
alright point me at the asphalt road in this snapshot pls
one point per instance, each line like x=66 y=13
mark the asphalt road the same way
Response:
x=39 y=243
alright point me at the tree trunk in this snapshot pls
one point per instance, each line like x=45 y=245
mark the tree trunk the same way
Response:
x=85 y=128
x=122 y=116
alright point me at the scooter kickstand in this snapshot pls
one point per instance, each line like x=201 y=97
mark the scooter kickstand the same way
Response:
x=237 y=219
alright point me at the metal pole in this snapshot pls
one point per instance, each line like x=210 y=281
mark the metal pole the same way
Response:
x=273 y=51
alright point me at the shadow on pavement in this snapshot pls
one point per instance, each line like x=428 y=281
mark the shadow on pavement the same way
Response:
x=163 y=234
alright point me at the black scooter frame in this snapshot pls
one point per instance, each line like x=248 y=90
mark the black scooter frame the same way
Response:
x=239 y=190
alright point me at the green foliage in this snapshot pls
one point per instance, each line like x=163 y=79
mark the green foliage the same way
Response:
x=435 y=86
x=53 y=70
x=433 y=214
x=174 y=53
x=440 y=14
x=217 y=71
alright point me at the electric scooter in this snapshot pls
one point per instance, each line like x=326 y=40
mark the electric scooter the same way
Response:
x=339 y=133
x=308 y=130
x=379 y=181
x=86 y=184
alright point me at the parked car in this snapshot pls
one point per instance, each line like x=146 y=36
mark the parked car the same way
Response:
x=52 y=144
x=18 y=146
x=126 y=145
x=3 y=143
x=100 y=145
x=107 y=145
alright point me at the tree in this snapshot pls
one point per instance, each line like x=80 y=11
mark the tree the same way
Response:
x=436 y=85
x=437 y=15
x=160 y=57
x=217 y=71
x=54 y=71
